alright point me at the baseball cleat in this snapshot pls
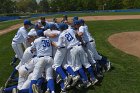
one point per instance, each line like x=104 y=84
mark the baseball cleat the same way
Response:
x=58 y=79
x=14 y=90
x=94 y=81
x=79 y=86
x=1 y=90
x=75 y=79
x=87 y=84
x=108 y=66
x=36 y=89
x=63 y=91
x=67 y=81
x=47 y=91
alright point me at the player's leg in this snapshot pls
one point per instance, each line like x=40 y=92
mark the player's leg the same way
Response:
x=87 y=65
x=58 y=59
x=7 y=90
x=37 y=72
x=49 y=77
x=26 y=84
x=18 y=50
x=23 y=76
x=74 y=64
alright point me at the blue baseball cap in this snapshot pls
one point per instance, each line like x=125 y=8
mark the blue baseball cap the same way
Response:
x=81 y=21
x=77 y=22
x=75 y=18
x=40 y=33
x=52 y=26
x=62 y=26
x=27 y=22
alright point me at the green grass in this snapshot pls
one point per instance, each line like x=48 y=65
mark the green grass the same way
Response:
x=7 y=24
x=124 y=78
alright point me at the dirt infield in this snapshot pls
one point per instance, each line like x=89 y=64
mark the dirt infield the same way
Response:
x=128 y=42
x=87 y=18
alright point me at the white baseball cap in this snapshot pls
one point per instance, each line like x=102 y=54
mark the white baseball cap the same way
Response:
x=32 y=32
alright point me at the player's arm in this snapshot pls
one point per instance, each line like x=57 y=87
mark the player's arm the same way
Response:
x=25 y=36
x=80 y=34
x=59 y=44
x=49 y=34
x=81 y=31
x=54 y=44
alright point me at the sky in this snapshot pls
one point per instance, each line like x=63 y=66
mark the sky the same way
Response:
x=38 y=1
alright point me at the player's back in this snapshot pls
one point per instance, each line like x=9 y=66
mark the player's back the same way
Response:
x=43 y=46
x=87 y=32
x=70 y=38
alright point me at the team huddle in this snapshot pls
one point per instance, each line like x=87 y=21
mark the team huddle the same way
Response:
x=52 y=53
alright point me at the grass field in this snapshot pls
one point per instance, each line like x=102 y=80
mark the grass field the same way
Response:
x=7 y=24
x=124 y=78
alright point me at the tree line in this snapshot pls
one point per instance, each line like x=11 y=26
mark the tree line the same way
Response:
x=25 y=6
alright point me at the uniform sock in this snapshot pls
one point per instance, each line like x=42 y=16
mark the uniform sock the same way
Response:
x=14 y=60
x=70 y=71
x=60 y=71
x=30 y=88
x=90 y=70
x=83 y=74
x=51 y=85
x=40 y=81
x=76 y=73
x=62 y=85
x=9 y=90
x=23 y=91
x=13 y=73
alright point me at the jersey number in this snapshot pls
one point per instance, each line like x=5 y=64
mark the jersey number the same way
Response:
x=69 y=37
x=46 y=43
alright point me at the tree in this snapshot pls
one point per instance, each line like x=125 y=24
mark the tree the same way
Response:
x=128 y=4
x=114 y=4
x=136 y=3
x=7 y=6
x=43 y=6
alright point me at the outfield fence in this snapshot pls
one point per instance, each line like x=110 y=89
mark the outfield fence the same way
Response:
x=6 y=18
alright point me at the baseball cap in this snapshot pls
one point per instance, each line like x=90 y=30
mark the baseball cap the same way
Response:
x=32 y=32
x=77 y=22
x=81 y=21
x=62 y=26
x=75 y=18
x=52 y=26
x=27 y=22
x=40 y=33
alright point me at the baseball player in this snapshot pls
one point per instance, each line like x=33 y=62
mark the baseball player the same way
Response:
x=65 y=18
x=21 y=38
x=13 y=89
x=27 y=55
x=53 y=34
x=79 y=57
x=42 y=23
x=45 y=61
x=90 y=45
x=67 y=38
